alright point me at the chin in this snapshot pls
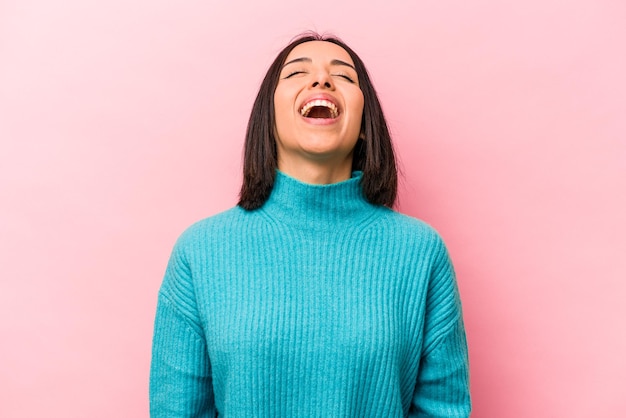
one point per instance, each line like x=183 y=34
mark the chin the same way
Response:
x=327 y=145
x=325 y=149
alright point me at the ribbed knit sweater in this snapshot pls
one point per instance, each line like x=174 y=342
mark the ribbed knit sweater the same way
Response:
x=318 y=304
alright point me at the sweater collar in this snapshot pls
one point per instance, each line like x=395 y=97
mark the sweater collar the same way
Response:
x=317 y=207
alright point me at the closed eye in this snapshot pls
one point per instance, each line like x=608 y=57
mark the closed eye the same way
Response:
x=345 y=77
x=291 y=74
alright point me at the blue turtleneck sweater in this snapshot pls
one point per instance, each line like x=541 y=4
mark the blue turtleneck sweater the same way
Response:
x=318 y=304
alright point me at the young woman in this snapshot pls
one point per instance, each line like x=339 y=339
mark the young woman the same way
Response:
x=311 y=297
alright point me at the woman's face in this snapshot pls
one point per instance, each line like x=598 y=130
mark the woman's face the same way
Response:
x=318 y=105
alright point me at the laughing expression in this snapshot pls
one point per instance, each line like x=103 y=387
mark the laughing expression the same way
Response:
x=318 y=105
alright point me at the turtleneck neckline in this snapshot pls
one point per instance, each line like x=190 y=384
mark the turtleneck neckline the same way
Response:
x=318 y=207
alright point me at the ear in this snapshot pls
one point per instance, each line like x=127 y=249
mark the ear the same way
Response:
x=362 y=135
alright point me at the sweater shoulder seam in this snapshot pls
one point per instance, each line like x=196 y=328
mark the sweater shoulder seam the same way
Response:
x=441 y=334
x=190 y=325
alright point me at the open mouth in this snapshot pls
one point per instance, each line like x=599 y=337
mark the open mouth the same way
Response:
x=320 y=109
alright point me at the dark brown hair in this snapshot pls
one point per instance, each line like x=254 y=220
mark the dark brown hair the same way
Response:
x=373 y=152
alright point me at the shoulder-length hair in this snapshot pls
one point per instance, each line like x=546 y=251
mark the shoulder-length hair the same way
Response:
x=373 y=152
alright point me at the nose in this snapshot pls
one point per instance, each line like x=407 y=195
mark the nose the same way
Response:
x=322 y=80
x=326 y=84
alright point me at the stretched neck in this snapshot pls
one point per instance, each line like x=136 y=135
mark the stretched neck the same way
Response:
x=317 y=171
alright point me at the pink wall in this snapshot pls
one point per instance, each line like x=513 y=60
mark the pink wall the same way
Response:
x=121 y=123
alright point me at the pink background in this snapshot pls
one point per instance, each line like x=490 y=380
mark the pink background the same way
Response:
x=122 y=122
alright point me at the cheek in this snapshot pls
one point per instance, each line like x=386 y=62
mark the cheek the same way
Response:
x=357 y=108
x=280 y=111
x=283 y=105
x=283 y=98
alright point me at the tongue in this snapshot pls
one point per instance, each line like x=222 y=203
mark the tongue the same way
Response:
x=319 y=112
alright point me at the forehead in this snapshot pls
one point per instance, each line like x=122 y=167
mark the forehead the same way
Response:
x=319 y=51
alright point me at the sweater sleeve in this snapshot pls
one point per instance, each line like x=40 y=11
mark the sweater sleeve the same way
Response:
x=180 y=371
x=442 y=388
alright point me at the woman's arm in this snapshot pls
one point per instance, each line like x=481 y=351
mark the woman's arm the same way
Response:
x=180 y=372
x=442 y=388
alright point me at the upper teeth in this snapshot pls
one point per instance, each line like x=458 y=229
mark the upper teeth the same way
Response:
x=313 y=103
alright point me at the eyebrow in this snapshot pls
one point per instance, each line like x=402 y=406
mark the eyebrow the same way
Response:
x=306 y=59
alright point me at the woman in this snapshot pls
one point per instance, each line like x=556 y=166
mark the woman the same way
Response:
x=311 y=297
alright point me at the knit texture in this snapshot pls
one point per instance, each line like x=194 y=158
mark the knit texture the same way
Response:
x=318 y=304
